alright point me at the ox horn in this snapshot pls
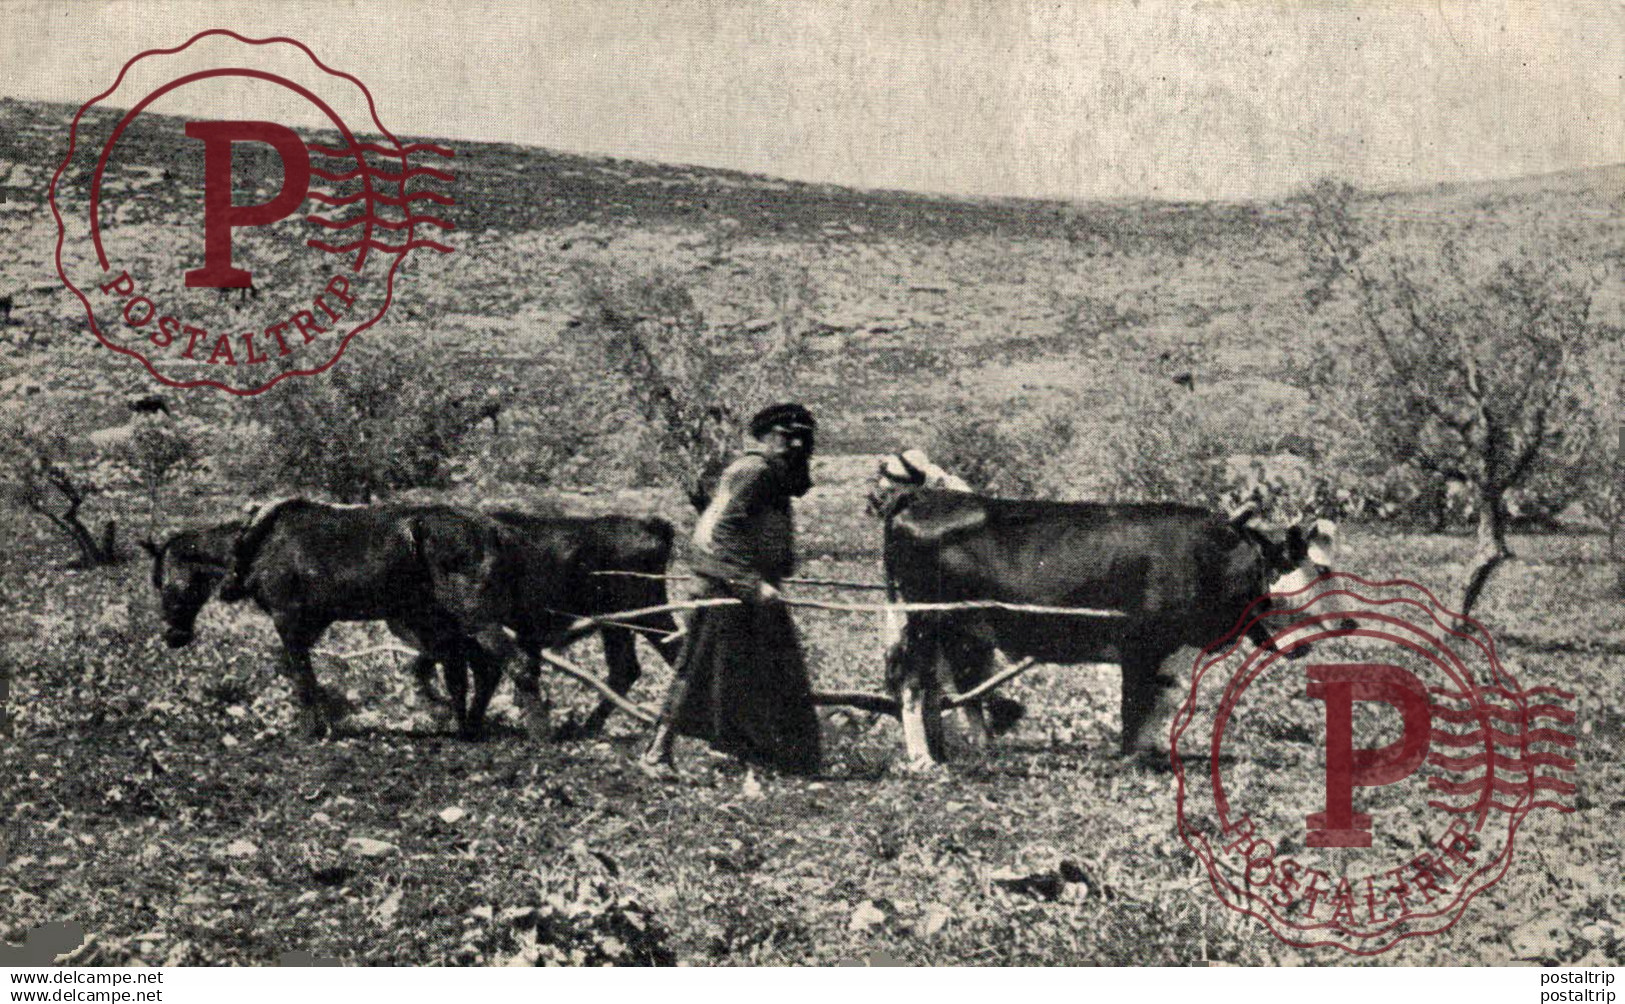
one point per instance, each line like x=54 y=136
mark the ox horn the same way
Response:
x=915 y=474
x=1243 y=514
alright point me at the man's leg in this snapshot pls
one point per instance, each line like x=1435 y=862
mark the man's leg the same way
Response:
x=664 y=740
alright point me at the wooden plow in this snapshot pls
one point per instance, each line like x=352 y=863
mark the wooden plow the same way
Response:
x=861 y=700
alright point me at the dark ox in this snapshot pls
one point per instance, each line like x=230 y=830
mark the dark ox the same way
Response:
x=426 y=570
x=433 y=573
x=560 y=577
x=1180 y=576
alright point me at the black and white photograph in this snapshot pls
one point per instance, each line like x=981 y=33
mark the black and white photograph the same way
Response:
x=1115 y=483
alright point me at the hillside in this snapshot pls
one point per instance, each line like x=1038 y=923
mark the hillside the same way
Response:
x=919 y=301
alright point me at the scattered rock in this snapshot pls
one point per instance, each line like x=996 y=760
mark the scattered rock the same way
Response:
x=386 y=911
x=517 y=915
x=370 y=848
x=114 y=617
x=867 y=914
x=300 y=957
x=933 y=919
x=1541 y=937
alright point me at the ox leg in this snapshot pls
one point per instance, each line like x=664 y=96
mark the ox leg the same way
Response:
x=973 y=725
x=969 y=664
x=527 y=688
x=454 y=671
x=437 y=646
x=1146 y=692
x=297 y=640
x=621 y=656
x=487 y=672
x=422 y=668
x=918 y=673
x=490 y=654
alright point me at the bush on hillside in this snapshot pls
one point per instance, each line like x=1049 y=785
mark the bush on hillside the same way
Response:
x=387 y=417
x=688 y=385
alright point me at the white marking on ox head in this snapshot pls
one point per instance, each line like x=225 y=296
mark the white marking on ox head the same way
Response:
x=1312 y=547
x=1309 y=549
x=899 y=473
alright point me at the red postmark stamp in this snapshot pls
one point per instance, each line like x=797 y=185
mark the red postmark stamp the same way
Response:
x=233 y=251
x=1368 y=793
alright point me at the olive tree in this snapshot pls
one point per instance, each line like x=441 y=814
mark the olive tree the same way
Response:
x=1604 y=496
x=691 y=383
x=1474 y=370
x=158 y=452
x=51 y=472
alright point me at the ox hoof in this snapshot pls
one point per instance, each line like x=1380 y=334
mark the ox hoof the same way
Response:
x=921 y=767
x=570 y=731
x=312 y=719
x=537 y=716
x=1003 y=714
x=656 y=770
x=443 y=713
x=433 y=700
x=973 y=738
x=1147 y=755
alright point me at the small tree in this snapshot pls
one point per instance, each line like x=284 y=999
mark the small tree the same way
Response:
x=1474 y=373
x=693 y=384
x=388 y=416
x=157 y=452
x=46 y=470
x=1606 y=500
x=1010 y=459
x=1161 y=448
x=1604 y=496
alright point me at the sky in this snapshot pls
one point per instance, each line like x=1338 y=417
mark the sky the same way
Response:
x=1156 y=98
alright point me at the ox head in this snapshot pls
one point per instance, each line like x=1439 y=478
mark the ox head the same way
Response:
x=184 y=581
x=901 y=474
x=1288 y=561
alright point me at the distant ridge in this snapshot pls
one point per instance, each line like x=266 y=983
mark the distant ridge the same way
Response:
x=506 y=187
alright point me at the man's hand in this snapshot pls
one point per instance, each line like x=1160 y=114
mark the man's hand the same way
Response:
x=767 y=592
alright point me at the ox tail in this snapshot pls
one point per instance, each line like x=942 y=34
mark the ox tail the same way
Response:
x=240 y=561
x=652 y=557
x=415 y=535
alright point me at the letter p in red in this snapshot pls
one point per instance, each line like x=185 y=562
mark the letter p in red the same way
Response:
x=220 y=215
x=1340 y=686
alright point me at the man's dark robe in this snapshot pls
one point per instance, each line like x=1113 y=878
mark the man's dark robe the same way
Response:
x=747 y=688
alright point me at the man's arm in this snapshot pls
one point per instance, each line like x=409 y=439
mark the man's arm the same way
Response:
x=724 y=548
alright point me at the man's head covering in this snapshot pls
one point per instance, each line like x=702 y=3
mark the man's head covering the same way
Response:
x=788 y=416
